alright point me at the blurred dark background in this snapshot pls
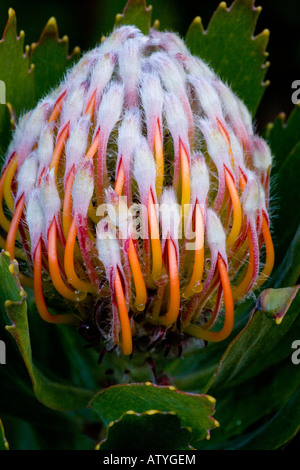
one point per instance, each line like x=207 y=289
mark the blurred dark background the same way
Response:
x=85 y=21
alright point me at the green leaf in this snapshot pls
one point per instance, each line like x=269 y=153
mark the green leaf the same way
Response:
x=275 y=433
x=29 y=76
x=276 y=302
x=194 y=411
x=53 y=434
x=192 y=371
x=287 y=197
x=283 y=136
x=50 y=58
x=55 y=395
x=279 y=430
x=136 y=13
x=5 y=129
x=18 y=400
x=287 y=274
x=143 y=431
x=15 y=69
x=229 y=46
x=3 y=441
x=248 y=353
x=194 y=368
x=238 y=411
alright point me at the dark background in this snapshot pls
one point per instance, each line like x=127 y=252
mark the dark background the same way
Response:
x=85 y=21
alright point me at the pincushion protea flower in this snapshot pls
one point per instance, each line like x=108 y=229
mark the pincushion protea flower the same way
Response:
x=140 y=122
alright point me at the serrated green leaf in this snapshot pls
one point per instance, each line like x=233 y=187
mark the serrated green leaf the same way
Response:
x=136 y=13
x=283 y=136
x=194 y=411
x=55 y=395
x=50 y=58
x=246 y=355
x=15 y=69
x=146 y=431
x=229 y=46
x=3 y=441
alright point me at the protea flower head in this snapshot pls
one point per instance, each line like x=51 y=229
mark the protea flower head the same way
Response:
x=139 y=190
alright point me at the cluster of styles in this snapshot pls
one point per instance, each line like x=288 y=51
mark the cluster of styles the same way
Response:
x=139 y=120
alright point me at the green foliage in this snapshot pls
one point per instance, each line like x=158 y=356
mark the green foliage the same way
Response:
x=136 y=12
x=29 y=73
x=50 y=59
x=58 y=396
x=16 y=71
x=260 y=340
x=193 y=410
x=144 y=431
x=289 y=271
x=284 y=140
x=5 y=128
x=52 y=390
x=283 y=136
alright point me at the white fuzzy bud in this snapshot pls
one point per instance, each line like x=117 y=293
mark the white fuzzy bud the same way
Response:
x=119 y=214
x=107 y=244
x=246 y=117
x=215 y=233
x=118 y=37
x=199 y=179
x=50 y=198
x=38 y=119
x=215 y=143
x=171 y=72
x=129 y=134
x=102 y=72
x=110 y=107
x=35 y=218
x=83 y=188
x=170 y=42
x=207 y=96
x=32 y=129
x=73 y=107
x=80 y=72
x=170 y=214
x=45 y=147
x=251 y=197
x=77 y=143
x=27 y=175
x=261 y=158
x=196 y=66
x=233 y=111
x=130 y=69
x=18 y=134
x=175 y=117
x=152 y=101
x=228 y=99
x=237 y=150
x=144 y=170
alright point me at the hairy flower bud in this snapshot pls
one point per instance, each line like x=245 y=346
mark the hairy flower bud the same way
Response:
x=143 y=183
